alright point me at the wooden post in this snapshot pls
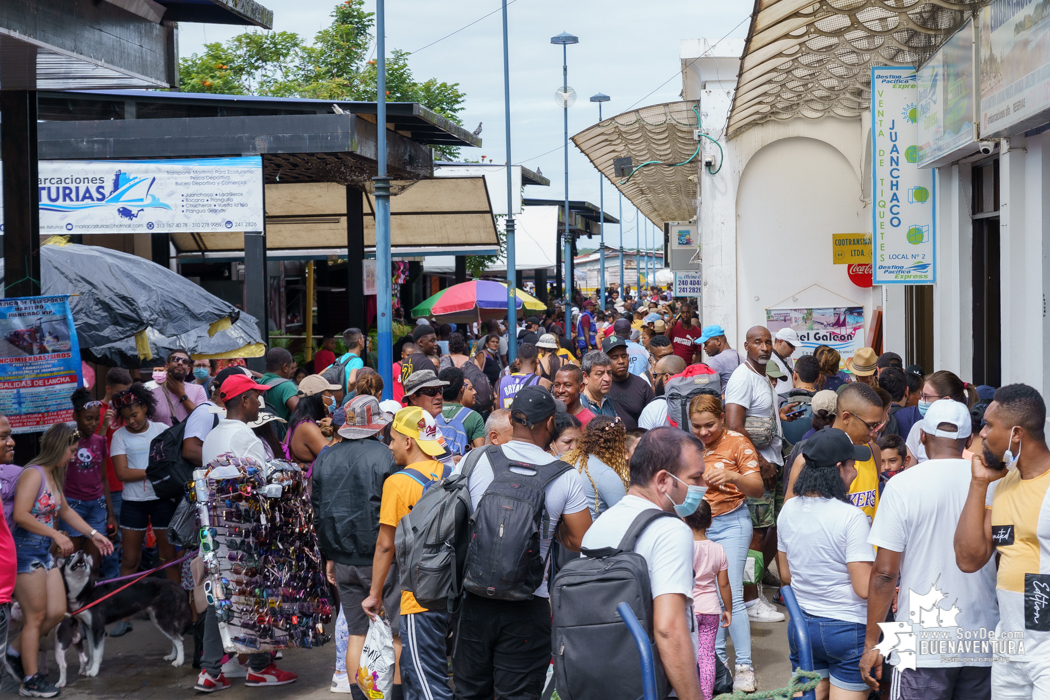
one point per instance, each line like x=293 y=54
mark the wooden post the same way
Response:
x=309 y=310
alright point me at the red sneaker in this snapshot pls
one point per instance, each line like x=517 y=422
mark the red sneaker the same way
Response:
x=206 y=683
x=269 y=676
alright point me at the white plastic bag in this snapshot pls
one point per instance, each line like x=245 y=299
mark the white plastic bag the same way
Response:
x=375 y=676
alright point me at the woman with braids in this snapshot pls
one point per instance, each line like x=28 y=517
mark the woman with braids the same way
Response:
x=732 y=464
x=824 y=555
x=600 y=456
x=939 y=386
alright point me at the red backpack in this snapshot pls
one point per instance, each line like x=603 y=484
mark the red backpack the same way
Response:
x=680 y=390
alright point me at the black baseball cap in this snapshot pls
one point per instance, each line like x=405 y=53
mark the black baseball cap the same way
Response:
x=826 y=448
x=535 y=403
x=915 y=369
x=889 y=359
x=613 y=341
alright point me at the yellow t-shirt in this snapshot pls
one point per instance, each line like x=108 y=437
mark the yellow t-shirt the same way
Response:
x=400 y=493
x=637 y=325
x=864 y=491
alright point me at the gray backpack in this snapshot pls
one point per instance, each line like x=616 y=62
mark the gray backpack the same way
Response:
x=595 y=656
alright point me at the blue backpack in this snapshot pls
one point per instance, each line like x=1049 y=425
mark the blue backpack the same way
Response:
x=455 y=432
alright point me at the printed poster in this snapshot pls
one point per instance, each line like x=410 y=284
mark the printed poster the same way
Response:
x=1015 y=64
x=903 y=218
x=39 y=362
x=197 y=195
x=688 y=284
x=945 y=98
x=841 y=328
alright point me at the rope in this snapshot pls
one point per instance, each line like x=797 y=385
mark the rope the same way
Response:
x=130 y=583
x=799 y=684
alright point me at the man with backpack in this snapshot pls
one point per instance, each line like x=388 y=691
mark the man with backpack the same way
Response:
x=503 y=645
x=461 y=425
x=344 y=370
x=667 y=471
x=528 y=358
x=282 y=397
x=347 y=487
x=424 y=665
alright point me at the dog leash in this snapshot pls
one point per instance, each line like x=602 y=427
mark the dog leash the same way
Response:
x=137 y=578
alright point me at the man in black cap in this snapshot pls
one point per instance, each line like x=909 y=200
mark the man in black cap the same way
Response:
x=528 y=333
x=503 y=648
x=888 y=359
x=629 y=393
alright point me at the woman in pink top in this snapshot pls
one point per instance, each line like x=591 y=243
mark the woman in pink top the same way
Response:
x=712 y=581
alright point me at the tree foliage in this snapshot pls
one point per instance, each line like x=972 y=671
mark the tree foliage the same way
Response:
x=334 y=67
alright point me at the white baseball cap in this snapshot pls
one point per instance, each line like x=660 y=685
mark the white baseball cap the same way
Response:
x=947 y=411
x=788 y=335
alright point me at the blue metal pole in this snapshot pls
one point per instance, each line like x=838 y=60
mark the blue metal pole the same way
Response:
x=384 y=321
x=621 y=250
x=601 y=230
x=512 y=270
x=641 y=639
x=567 y=239
x=638 y=254
x=805 y=649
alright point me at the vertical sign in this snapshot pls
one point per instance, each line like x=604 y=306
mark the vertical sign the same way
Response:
x=39 y=362
x=903 y=212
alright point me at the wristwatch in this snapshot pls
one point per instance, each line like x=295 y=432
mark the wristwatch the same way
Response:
x=92 y=534
x=183 y=398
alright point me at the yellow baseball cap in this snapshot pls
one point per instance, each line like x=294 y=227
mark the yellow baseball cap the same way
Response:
x=419 y=425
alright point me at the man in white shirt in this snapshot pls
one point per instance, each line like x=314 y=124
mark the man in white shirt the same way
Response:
x=667 y=472
x=654 y=414
x=785 y=342
x=914 y=531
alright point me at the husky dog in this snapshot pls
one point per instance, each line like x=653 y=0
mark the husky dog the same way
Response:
x=164 y=600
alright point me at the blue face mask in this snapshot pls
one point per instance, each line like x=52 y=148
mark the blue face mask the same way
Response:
x=330 y=407
x=924 y=406
x=693 y=496
x=201 y=373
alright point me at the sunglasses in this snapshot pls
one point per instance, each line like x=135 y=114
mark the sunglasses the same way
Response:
x=429 y=391
x=125 y=399
x=181 y=360
x=872 y=427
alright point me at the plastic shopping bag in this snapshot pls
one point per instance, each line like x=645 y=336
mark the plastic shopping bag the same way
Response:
x=754 y=565
x=375 y=677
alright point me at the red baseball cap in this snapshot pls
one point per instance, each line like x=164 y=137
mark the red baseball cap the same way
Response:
x=236 y=385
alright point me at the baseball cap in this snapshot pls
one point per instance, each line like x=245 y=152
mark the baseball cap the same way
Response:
x=863 y=363
x=651 y=318
x=622 y=327
x=915 y=369
x=534 y=320
x=773 y=370
x=588 y=304
x=613 y=341
x=890 y=359
x=825 y=400
x=789 y=336
x=419 y=425
x=315 y=384
x=826 y=448
x=709 y=332
x=422 y=378
x=390 y=406
x=237 y=384
x=229 y=372
x=364 y=418
x=535 y=403
x=947 y=411
x=985 y=392
x=547 y=341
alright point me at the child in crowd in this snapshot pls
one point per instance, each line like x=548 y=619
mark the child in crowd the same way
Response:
x=895 y=456
x=711 y=567
x=633 y=436
x=86 y=487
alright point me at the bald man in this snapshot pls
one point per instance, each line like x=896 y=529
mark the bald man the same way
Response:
x=654 y=414
x=498 y=429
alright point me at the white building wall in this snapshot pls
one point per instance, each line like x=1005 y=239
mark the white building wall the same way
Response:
x=953 y=292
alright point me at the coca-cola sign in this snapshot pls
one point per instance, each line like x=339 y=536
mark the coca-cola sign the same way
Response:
x=860 y=274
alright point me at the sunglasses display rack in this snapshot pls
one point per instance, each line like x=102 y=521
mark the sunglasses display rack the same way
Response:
x=263 y=566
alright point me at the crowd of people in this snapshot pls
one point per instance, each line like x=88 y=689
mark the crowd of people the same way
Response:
x=893 y=502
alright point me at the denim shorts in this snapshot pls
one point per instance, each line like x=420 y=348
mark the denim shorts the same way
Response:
x=93 y=512
x=139 y=515
x=32 y=551
x=837 y=648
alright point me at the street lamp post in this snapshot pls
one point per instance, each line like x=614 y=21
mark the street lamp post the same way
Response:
x=622 y=298
x=567 y=97
x=599 y=98
x=384 y=322
x=638 y=251
x=512 y=270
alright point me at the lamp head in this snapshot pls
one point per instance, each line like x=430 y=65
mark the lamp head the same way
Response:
x=565 y=38
x=600 y=98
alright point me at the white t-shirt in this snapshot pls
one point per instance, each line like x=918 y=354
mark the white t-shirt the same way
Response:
x=135 y=446
x=232 y=436
x=788 y=383
x=917 y=515
x=654 y=415
x=201 y=421
x=564 y=495
x=820 y=536
x=914 y=442
x=755 y=394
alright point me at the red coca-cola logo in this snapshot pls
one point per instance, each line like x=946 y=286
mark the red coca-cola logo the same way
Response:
x=860 y=274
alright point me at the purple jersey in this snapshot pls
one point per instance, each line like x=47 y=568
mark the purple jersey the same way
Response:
x=511 y=384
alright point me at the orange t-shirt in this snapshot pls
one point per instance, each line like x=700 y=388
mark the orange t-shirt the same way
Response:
x=732 y=452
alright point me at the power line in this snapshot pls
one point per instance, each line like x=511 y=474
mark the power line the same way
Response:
x=509 y=2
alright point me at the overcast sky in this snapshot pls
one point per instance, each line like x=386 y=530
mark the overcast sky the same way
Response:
x=626 y=50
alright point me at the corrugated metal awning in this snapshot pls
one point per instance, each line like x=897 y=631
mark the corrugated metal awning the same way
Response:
x=813 y=59
x=662 y=133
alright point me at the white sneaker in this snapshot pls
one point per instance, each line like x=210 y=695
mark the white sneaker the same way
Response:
x=234 y=668
x=761 y=613
x=340 y=683
x=744 y=680
x=765 y=602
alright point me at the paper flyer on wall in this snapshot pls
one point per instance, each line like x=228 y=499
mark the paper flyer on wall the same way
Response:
x=39 y=362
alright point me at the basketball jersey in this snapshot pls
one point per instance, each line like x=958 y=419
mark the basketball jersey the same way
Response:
x=511 y=384
x=864 y=491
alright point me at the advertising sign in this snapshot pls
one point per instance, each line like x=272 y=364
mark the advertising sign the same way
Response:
x=903 y=218
x=841 y=328
x=946 y=99
x=150 y=196
x=849 y=248
x=687 y=284
x=684 y=236
x=1015 y=65
x=368 y=271
x=39 y=362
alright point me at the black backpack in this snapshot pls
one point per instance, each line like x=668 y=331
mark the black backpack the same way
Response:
x=167 y=470
x=503 y=558
x=595 y=655
x=335 y=373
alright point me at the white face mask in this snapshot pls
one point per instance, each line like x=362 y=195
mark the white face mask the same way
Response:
x=1008 y=457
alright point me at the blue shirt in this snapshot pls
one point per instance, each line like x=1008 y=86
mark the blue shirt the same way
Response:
x=354 y=362
x=606 y=409
x=637 y=359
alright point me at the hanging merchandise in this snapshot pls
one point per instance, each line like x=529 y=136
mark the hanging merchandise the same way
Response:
x=399 y=273
x=263 y=567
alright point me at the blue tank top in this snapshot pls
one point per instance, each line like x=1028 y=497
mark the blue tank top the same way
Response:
x=511 y=384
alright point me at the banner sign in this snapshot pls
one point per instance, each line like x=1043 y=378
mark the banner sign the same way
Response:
x=1015 y=65
x=903 y=219
x=368 y=270
x=945 y=98
x=39 y=362
x=849 y=248
x=197 y=195
x=687 y=284
x=841 y=328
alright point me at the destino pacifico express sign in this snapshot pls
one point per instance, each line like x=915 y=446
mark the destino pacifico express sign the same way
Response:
x=903 y=212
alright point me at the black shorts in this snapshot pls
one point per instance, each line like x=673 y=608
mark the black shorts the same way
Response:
x=138 y=515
